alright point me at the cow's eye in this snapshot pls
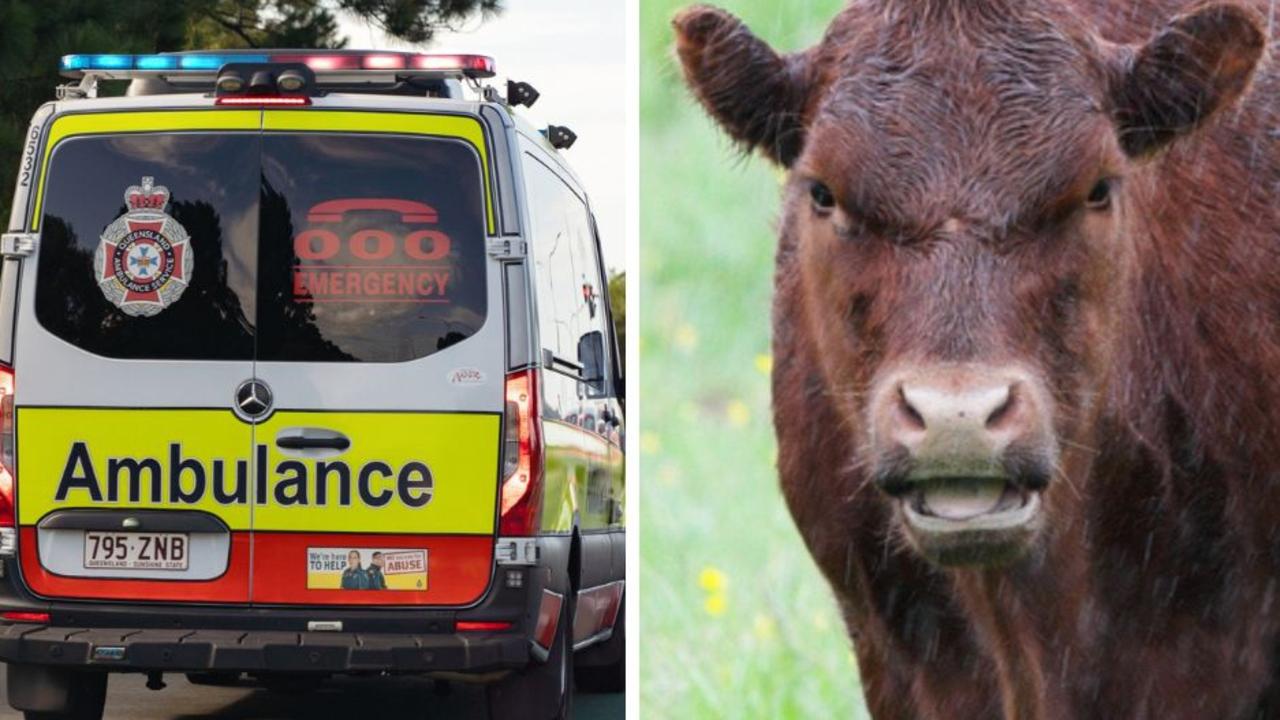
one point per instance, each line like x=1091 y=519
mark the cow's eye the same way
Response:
x=1100 y=196
x=823 y=199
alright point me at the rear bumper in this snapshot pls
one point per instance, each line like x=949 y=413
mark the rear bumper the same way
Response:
x=133 y=636
x=166 y=650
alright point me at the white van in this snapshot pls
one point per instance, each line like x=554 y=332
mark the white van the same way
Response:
x=306 y=368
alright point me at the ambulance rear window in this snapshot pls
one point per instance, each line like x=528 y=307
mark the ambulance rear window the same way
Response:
x=281 y=247
x=165 y=272
x=372 y=247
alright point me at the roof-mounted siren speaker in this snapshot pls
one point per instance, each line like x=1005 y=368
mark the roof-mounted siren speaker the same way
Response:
x=291 y=80
x=259 y=84
x=262 y=82
x=229 y=82
x=521 y=93
x=560 y=137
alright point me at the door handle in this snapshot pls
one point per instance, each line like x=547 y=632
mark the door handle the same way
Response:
x=312 y=440
x=306 y=443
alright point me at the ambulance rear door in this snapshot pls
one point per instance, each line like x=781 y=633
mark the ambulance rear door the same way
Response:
x=133 y=346
x=381 y=345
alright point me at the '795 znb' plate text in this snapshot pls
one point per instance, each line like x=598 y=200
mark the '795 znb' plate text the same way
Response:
x=135 y=551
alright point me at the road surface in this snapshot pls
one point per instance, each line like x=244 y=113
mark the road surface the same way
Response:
x=345 y=699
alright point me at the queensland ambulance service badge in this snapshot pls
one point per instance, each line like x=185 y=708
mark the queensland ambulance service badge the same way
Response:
x=144 y=260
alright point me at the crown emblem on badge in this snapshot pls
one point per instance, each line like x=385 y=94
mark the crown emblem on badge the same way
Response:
x=147 y=196
x=144 y=258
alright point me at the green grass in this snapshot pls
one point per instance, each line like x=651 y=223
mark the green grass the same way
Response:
x=737 y=622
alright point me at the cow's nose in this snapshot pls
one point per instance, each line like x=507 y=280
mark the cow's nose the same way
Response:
x=956 y=422
x=971 y=409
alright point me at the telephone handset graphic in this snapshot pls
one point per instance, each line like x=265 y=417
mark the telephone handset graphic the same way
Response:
x=410 y=211
x=321 y=244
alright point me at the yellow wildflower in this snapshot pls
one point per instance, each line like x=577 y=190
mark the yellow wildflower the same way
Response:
x=764 y=363
x=712 y=580
x=715 y=604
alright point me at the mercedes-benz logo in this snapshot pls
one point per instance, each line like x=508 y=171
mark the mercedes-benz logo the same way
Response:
x=253 y=400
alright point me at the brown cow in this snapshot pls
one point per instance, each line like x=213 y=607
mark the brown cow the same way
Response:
x=1026 y=331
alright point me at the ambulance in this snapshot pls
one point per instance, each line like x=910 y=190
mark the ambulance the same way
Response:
x=307 y=369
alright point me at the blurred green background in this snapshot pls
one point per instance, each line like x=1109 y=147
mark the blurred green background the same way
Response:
x=737 y=622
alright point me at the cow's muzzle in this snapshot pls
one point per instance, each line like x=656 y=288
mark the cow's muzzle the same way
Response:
x=966 y=452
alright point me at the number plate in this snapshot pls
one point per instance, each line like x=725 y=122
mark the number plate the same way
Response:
x=136 y=551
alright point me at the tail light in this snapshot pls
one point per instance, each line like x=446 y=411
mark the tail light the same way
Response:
x=8 y=516
x=482 y=626
x=15 y=616
x=521 y=499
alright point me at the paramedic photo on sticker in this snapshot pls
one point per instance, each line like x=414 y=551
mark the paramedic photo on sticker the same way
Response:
x=1009 y=449
x=311 y=364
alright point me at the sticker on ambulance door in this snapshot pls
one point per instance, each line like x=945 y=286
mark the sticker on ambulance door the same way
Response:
x=366 y=569
x=144 y=259
x=467 y=376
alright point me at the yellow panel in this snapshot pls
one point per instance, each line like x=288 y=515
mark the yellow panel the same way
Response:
x=404 y=473
x=463 y=128
x=460 y=450
x=74 y=448
x=67 y=126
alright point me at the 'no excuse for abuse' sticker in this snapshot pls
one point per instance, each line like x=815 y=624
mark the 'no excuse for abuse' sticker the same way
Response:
x=331 y=568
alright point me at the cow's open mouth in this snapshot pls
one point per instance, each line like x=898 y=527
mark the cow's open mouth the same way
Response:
x=969 y=500
x=965 y=521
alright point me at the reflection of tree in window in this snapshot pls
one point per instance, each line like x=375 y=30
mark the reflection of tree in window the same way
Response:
x=209 y=177
x=69 y=303
x=457 y=332
x=289 y=324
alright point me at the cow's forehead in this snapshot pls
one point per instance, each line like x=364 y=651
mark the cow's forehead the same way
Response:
x=988 y=126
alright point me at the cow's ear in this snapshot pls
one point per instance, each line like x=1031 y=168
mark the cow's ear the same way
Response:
x=756 y=94
x=1197 y=65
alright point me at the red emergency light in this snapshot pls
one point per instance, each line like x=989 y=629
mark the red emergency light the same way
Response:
x=263 y=100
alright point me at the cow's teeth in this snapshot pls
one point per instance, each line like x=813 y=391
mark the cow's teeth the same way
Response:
x=961 y=501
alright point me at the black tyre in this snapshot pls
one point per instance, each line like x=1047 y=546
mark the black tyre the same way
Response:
x=543 y=691
x=86 y=699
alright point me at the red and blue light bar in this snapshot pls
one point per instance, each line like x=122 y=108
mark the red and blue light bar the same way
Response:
x=321 y=61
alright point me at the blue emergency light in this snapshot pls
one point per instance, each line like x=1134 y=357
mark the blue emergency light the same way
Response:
x=158 y=62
